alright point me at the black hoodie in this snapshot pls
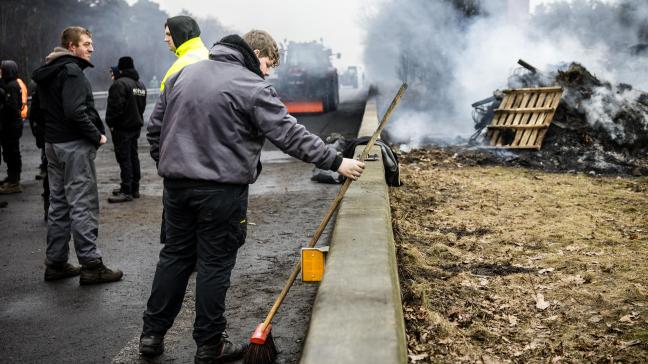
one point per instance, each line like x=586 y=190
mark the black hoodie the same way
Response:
x=65 y=99
x=126 y=101
x=11 y=98
x=182 y=29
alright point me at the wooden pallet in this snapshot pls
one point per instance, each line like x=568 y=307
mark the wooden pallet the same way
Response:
x=523 y=118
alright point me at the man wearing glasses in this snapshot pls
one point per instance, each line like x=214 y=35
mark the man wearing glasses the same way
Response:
x=206 y=134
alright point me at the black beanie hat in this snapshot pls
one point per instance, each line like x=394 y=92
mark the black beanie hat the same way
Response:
x=125 y=63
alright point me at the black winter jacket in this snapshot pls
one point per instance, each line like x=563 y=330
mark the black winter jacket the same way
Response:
x=126 y=102
x=10 y=96
x=36 y=121
x=66 y=100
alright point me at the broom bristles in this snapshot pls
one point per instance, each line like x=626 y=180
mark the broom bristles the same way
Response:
x=261 y=353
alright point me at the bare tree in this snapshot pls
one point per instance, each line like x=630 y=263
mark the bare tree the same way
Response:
x=30 y=29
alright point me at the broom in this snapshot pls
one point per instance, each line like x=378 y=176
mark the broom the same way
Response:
x=262 y=349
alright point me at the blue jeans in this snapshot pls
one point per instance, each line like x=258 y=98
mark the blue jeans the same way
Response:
x=204 y=227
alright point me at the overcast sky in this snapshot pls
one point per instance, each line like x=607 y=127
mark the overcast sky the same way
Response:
x=338 y=22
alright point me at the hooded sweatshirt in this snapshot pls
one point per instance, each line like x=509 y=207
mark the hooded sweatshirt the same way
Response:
x=189 y=47
x=65 y=99
x=11 y=94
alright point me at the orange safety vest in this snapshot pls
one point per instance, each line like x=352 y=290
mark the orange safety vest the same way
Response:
x=23 y=92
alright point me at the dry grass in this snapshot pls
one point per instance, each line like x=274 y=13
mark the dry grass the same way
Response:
x=514 y=265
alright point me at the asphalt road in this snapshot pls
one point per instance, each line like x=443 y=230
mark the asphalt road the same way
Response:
x=63 y=322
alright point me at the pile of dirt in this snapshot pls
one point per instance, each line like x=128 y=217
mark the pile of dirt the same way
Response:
x=516 y=265
x=597 y=127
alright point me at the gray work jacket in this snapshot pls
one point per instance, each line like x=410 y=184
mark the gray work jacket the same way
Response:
x=213 y=117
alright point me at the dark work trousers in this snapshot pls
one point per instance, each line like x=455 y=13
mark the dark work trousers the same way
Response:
x=125 y=142
x=43 y=166
x=10 y=141
x=46 y=189
x=205 y=226
x=46 y=195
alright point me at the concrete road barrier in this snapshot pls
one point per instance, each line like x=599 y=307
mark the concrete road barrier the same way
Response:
x=357 y=316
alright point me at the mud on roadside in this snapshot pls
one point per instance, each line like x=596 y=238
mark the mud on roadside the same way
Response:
x=502 y=264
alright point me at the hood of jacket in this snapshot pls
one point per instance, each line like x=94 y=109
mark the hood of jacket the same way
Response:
x=9 y=70
x=57 y=60
x=182 y=29
x=130 y=73
x=57 y=53
x=224 y=53
x=244 y=53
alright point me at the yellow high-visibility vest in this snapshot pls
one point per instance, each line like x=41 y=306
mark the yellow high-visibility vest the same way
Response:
x=24 y=95
x=189 y=52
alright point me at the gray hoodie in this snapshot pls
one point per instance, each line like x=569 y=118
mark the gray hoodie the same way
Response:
x=213 y=117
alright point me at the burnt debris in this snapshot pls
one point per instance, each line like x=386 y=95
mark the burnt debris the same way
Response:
x=598 y=127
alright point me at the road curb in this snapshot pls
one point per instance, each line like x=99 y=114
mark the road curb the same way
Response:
x=357 y=316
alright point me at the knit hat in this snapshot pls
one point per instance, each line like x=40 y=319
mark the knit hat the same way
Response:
x=125 y=63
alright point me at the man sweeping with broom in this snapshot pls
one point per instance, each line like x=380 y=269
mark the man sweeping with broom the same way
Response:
x=206 y=134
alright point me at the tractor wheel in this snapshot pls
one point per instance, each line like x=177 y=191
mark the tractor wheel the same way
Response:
x=333 y=96
x=326 y=103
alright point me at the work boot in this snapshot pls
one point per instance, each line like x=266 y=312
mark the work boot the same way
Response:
x=135 y=193
x=95 y=272
x=135 y=188
x=41 y=175
x=151 y=345
x=121 y=197
x=10 y=187
x=219 y=351
x=57 y=271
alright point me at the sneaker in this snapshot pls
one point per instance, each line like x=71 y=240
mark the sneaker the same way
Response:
x=95 y=272
x=41 y=175
x=136 y=194
x=151 y=345
x=121 y=197
x=55 y=272
x=222 y=351
x=10 y=187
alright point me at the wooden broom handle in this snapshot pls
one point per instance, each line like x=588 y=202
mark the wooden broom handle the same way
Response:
x=334 y=205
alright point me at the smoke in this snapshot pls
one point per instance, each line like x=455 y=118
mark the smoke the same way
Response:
x=606 y=104
x=455 y=52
